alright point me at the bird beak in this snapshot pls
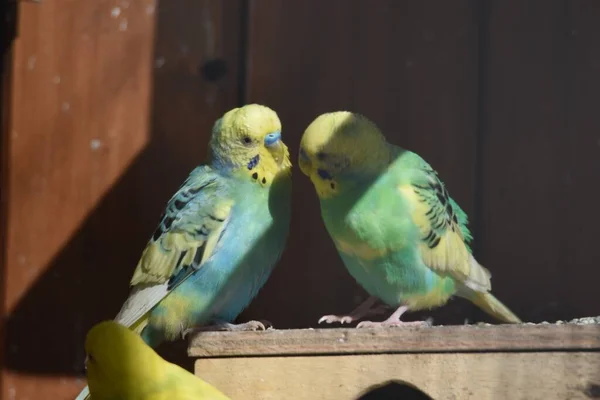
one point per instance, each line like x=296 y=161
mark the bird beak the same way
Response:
x=272 y=138
x=275 y=145
x=85 y=364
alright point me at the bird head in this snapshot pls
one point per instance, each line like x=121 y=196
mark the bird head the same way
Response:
x=248 y=140
x=117 y=359
x=339 y=149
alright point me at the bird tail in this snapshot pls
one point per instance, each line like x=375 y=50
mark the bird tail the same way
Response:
x=491 y=305
x=139 y=325
x=85 y=394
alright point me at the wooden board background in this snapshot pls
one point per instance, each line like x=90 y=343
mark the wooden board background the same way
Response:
x=88 y=181
x=483 y=376
x=111 y=103
x=415 y=76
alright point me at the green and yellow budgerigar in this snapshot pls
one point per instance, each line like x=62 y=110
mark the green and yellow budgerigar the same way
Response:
x=120 y=365
x=220 y=236
x=399 y=233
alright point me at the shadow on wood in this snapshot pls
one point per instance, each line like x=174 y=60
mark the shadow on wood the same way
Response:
x=407 y=66
x=119 y=182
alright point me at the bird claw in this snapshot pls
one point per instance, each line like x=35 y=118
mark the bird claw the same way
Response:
x=252 y=325
x=353 y=316
x=342 y=319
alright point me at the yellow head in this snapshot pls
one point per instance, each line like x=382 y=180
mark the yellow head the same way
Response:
x=338 y=149
x=247 y=140
x=118 y=362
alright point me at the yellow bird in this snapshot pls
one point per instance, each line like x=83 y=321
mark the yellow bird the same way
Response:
x=120 y=366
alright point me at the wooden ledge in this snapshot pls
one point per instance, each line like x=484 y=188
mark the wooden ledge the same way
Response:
x=437 y=339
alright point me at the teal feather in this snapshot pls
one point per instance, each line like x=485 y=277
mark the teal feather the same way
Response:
x=248 y=250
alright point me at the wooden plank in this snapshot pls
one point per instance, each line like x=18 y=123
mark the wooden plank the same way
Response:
x=580 y=160
x=407 y=340
x=526 y=376
x=411 y=67
x=111 y=111
x=5 y=94
x=540 y=151
x=78 y=117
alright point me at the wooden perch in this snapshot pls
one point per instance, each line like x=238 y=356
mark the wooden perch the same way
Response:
x=517 y=362
x=467 y=338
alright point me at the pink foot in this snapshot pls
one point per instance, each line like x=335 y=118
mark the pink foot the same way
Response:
x=360 y=312
x=393 y=320
x=226 y=326
x=342 y=319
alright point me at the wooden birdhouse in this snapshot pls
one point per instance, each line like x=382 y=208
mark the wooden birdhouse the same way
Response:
x=531 y=362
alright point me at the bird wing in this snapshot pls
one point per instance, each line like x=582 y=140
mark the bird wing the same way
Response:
x=442 y=225
x=187 y=235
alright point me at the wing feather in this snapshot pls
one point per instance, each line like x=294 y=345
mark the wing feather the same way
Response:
x=187 y=235
x=444 y=234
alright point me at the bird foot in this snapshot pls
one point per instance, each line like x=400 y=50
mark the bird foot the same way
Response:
x=394 y=323
x=342 y=319
x=362 y=311
x=262 y=325
x=253 y=325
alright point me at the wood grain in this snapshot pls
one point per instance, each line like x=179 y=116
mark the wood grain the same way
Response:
x=110 y=111
x=79 y=104
x=412 y=68
x=526 y=376
x=5 y=95
x=410 y=340
x=540 y=151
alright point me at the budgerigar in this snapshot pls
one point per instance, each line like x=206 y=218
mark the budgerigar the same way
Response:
x=220 y=235
x=399 y=233
x=119 y=365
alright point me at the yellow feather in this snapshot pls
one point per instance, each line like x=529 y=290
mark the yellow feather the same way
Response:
x=139 y=325
x=451 y=256
x=335 y=134
x=121 y=366
x=255 y=122
x=160 y=258
x=436 y=297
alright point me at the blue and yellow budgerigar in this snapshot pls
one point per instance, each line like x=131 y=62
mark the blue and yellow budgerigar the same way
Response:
x=220 y=236
x=397 y=230
x=120 y=365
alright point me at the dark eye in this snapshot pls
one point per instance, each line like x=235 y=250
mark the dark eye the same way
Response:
x=247 y=140
x=323 y=174
x=91 y=358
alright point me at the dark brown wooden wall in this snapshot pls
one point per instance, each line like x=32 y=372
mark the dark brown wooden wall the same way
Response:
x=111 y=103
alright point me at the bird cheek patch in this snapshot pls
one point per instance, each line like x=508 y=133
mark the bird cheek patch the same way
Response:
x=253 y=162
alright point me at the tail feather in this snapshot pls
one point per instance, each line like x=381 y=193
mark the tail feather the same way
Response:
x=479 y=278
x=84 y=395
x=491 y=305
